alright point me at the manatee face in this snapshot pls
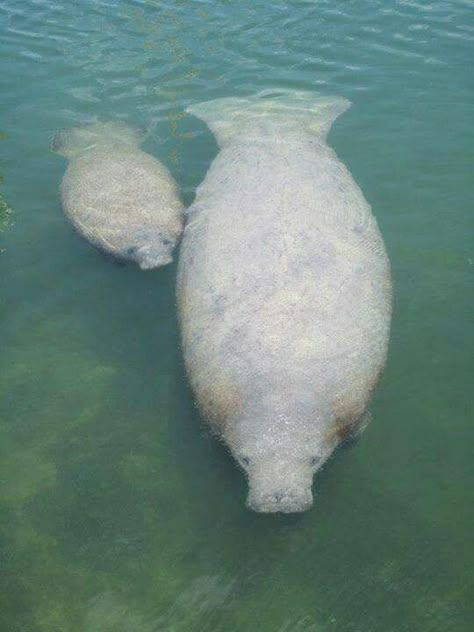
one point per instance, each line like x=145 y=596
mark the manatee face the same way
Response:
x=277 y=484
x=280 y=463
x=154 y=253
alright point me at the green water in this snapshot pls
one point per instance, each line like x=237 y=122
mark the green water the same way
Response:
x=118 y=512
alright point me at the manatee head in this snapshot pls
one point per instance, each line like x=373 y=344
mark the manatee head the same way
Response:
x=279 y=460
x=152 y=252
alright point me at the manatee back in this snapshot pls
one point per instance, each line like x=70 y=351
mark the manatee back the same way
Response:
x=301 y=290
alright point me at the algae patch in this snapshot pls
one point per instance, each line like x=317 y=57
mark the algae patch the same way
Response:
x=6 y=212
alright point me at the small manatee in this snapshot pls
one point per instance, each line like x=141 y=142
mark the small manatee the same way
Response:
x=121 y=199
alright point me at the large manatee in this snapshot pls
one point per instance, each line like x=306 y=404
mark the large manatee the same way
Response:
x=121 y=199
x=284 y=293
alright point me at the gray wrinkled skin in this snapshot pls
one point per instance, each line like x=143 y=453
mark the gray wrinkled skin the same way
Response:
x=121 y=199
x=284 y=293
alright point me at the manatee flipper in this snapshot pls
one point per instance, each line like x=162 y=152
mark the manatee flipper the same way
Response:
x=361 y=425
x=107 y=256
x=350 y=433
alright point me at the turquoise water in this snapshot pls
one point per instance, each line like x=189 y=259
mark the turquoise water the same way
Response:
x=118 y=512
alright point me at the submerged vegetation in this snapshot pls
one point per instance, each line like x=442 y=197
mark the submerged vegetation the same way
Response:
x=6 y=212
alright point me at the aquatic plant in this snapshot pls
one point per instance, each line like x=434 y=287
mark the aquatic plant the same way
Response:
x=6 y=212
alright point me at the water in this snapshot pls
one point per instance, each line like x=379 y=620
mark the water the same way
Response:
x=119 y=512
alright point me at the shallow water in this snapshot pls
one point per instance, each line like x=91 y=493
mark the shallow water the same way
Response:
x=119 y=512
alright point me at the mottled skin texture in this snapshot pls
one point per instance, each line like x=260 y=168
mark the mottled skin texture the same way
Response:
x=284 y=301
x=121 y=199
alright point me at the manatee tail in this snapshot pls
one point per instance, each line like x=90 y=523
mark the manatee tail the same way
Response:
x=270 y=111
x=72 y=142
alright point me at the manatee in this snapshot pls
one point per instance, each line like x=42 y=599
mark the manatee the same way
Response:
x=121 y=199
x=284 y=293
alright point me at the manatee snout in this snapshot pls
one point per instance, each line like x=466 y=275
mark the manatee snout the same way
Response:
x=155 y=254
x=282 y=500
x=274 y=489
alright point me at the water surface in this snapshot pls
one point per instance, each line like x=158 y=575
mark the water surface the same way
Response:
x=119 y=512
